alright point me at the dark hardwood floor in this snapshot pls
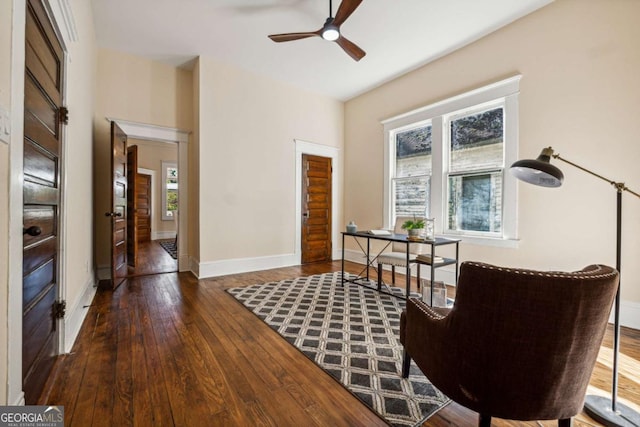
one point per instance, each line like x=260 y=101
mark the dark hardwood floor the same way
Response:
x=169 y=350
x=152 y=259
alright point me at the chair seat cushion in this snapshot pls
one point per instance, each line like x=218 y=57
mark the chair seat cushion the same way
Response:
x=399 y=259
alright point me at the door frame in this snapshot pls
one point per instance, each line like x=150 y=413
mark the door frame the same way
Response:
x=64 y=25
x=149 y=132
x=314 y=149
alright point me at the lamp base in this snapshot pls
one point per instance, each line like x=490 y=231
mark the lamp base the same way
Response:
x=599 y=408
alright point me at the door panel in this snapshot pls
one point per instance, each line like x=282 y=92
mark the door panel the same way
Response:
x=118 y=214
x=39 y=105
x=41 y=194
x=143 y=195
x=316 y=209
x=132 y=205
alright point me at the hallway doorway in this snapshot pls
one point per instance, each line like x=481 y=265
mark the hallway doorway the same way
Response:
x=153 y=203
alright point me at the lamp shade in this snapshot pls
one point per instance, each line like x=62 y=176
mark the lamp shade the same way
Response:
x=539 y=171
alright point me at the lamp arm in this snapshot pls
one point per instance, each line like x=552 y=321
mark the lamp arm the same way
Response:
x=620 y=186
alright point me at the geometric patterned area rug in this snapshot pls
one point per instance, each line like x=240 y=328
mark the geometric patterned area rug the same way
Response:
x=169 y=245
x=352 y=333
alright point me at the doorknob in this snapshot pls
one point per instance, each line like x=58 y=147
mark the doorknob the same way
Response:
x=34 y=230
x=112 y=214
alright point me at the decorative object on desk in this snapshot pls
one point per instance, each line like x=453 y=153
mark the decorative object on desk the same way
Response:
x=351 y=332
x=414 y=227
x=352 y=227
x=439 y=293
x=380 y=232
x=427 y=258
x=398 y=255
x=541 y=172
x=430 y=228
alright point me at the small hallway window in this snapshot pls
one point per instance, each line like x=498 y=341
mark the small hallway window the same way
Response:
x=169 y=190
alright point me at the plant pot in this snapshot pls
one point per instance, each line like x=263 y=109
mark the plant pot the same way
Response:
x=415 y=232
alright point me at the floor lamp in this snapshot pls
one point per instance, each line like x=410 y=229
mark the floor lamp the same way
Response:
x=541 y=172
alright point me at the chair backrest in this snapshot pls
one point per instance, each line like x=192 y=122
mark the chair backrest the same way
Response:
x=526 y=341
x=414 y=248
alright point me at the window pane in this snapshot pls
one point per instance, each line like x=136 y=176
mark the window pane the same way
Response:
x=172 y=175
x=477 y=141
x=475 y=202
x=172 y=202
x=411 y=196
x=413 y=152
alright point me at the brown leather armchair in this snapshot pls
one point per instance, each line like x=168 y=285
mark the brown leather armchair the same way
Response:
x=517 y=344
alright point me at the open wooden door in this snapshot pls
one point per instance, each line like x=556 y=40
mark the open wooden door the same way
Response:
x=132 y=205
x=118 y=214
x=316 y=208
x=44 y=116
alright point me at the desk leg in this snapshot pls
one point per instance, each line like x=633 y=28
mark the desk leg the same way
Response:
x=457 y=261
x=408 y=272
x=368 y=260
x=342 y=280
x=433 y=271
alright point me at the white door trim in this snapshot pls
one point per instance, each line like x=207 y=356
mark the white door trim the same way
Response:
x=304 y=147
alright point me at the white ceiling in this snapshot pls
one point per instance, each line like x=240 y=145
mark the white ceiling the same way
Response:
x=398 y=35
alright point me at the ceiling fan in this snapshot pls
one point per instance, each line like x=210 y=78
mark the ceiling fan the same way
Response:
x=330 y=30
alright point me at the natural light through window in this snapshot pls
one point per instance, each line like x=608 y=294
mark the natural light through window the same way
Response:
x=447 y=161
x=169 y=190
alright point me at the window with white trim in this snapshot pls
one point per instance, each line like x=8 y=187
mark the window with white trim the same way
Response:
x=447 y=161
x=169 y=190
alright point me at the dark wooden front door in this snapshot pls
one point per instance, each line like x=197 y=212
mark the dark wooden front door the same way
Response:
x=132 y=205
x=316 y=209
x=143 y=212
x=43 y=119
x=118 y=214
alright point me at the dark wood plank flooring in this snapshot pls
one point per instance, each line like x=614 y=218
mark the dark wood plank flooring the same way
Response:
x=169 y=350
x=152 y=259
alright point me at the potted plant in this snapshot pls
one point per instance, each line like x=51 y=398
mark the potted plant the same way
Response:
x=414 y=226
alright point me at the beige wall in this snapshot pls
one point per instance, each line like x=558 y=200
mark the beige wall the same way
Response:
x=79 y=269
x=579 y=93
x=134 y=89
x=151 y=154
x=247 y=127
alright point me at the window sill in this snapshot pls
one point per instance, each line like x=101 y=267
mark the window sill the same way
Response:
x=485 y=241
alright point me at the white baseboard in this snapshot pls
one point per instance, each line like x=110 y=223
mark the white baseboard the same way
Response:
x=76 y=314
x=629 y=314
x=444 y=274
x=19 y=401
x=157 y=235
x=242 y=265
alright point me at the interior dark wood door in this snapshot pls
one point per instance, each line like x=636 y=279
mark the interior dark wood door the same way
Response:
x=41 y=204
x=132 y=205
x=143 y=212
x=316 y=208
x=118 y=214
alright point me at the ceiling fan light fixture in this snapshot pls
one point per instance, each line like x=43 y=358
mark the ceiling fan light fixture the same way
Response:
x=330 y=33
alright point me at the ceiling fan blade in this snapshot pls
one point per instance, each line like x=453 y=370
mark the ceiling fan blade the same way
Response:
x=347 y=7
x=292 y=36
x=352 y=50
